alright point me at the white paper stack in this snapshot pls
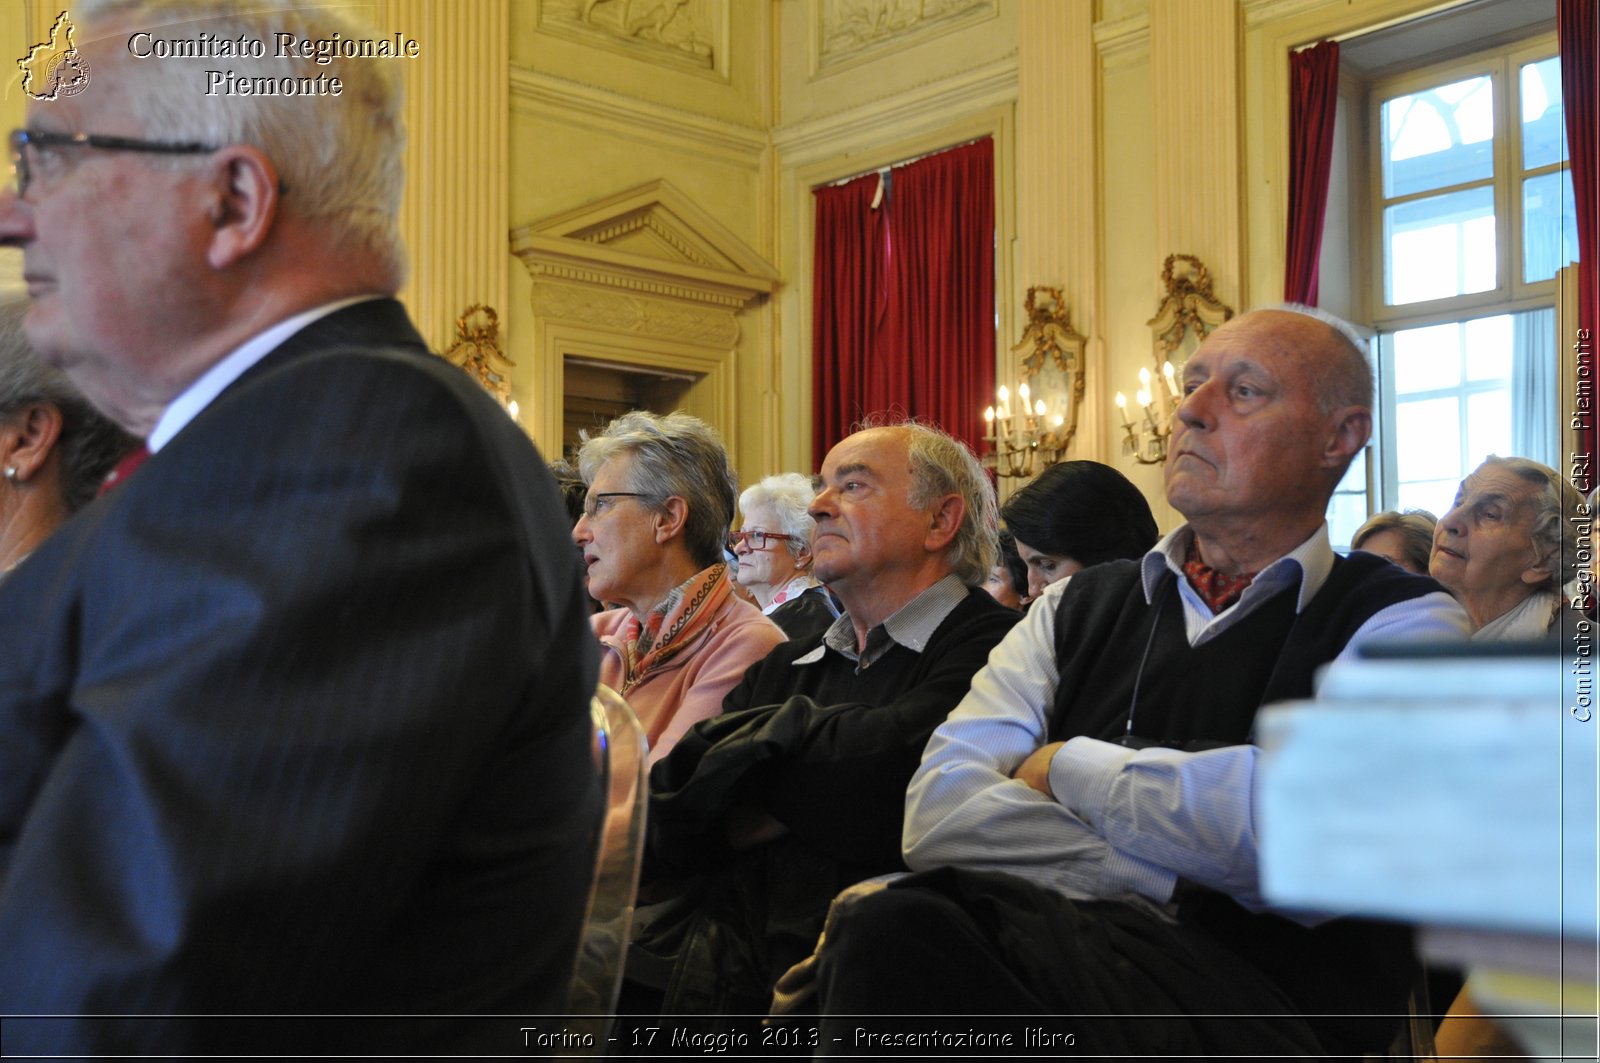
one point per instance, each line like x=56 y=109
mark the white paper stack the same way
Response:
x=1457 y=790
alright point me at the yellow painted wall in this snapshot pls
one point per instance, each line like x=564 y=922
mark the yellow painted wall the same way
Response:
x=1177 y=143
x=596 y=110
x=1132 y=258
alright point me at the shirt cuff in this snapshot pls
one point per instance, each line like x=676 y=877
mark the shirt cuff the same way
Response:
x=1082 y=773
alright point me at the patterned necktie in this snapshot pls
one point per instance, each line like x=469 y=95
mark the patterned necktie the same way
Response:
x=1216 y=589
x=125 y=468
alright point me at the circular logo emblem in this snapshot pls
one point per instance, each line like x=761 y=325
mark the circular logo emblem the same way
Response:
x=68 y=74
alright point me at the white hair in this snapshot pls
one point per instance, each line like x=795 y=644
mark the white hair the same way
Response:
x=788 y=495
x=339 y=158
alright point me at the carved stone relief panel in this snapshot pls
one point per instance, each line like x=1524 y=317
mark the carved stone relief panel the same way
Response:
x=851 y=30
x=636 y=313
x=690 y=34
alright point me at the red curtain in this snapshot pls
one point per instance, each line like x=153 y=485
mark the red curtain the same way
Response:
x=847 y=278
x=1577 y=28
x=1313 y=99
x=903 y=297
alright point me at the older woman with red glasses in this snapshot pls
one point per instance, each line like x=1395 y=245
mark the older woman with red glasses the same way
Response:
x=774 y=555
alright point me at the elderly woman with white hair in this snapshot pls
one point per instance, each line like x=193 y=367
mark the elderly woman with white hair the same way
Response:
x=774 y=555
x=1506 y=547
x=654 y=522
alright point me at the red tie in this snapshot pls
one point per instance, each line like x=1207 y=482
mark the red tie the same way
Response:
x=125 y=468
x=1217 y=590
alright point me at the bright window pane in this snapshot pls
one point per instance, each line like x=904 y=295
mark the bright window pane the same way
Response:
x=1346 y=513
x=1488 y=350
x=1444 y=136
x=1544 y=133
x=1427 y=358
x=1440 y=247
x=1434 y=496
x=1347 y=510
x=1549 y=225
x=1489 y=414
x=1428 y=440
x=1355 y=477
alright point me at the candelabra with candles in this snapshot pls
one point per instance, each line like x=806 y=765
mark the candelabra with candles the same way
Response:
x=1147 y=439
x=1189 y=307
x=1021 y=446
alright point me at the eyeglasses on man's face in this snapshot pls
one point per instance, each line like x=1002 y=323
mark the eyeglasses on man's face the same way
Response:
x=36 y=153
x=759 y=540
x=597 y=504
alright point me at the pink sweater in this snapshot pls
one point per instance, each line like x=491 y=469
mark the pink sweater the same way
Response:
x=691 y=685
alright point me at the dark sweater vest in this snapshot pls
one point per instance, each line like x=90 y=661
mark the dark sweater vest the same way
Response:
x=1206 y=696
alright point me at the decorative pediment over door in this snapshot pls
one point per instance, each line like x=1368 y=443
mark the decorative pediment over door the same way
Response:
x=644 y=283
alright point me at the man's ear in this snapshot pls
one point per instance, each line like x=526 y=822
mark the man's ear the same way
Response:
x=670 y=519
x=244 y=203
x=28 y=438
x=1352 y=427
x=944 y=522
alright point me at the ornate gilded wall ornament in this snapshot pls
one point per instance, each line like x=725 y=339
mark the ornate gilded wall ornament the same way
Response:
x=477 y=350
x=1186 y=315
x=1188 y=304
x=1051 y=390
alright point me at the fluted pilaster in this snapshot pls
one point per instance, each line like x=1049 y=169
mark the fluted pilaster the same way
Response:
x=1195 y=80
x=1058 y=163
x=455 y=216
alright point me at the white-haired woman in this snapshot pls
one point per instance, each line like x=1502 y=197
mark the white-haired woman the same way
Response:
x=774 y=552
x=1507 y=546
x=654 y=522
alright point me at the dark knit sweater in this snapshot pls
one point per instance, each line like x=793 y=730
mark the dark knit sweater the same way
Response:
x=828 y=752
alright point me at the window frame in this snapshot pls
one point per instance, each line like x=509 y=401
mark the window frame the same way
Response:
x=1511 y=294
x=1501 y=64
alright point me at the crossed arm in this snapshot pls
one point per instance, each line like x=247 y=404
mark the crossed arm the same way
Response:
x=1088 y=818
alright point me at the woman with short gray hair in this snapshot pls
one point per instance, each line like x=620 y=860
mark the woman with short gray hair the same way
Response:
x=55 y=449
x=654 y=523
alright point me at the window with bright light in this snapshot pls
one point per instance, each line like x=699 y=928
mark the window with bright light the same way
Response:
x=1472 y=217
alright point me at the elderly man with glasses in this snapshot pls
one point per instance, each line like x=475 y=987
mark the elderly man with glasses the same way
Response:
x=761 y=815
x=293 y=721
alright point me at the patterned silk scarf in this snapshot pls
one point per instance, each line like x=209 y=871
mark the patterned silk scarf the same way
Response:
x=669 y=627
x=1216 y=589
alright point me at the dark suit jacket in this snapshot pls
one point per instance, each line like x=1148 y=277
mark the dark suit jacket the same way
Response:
x=295 y=721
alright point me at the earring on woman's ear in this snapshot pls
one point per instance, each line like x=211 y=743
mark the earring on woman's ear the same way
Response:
x=11 y=474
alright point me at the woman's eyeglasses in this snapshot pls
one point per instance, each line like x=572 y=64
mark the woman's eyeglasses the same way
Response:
x=758 y=540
